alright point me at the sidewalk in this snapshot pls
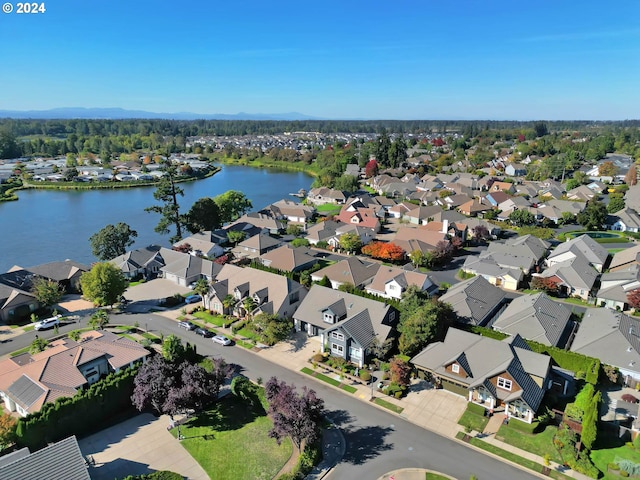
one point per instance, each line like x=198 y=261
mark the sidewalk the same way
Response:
x=429 y=408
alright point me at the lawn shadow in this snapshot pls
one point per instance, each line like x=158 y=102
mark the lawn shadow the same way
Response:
x=229 y=413
x=366 y=443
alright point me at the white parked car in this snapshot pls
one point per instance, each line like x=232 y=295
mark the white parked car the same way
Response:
x=48 y=323
x=222 y=340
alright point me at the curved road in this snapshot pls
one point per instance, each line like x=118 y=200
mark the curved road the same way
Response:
x=377 y=441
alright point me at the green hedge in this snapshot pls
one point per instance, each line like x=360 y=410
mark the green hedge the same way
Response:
x=88 y=411
x=582 y=366
x=159 y=475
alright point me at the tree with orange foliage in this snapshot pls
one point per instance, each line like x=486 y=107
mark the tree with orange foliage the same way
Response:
x=384 y=251
x=7 y=430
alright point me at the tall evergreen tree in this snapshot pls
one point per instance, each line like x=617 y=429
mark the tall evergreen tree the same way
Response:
x=167 y=192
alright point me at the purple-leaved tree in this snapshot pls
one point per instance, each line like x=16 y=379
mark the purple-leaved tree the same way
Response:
x=297 y=416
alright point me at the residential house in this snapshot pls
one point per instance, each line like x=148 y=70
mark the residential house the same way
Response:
x=625 y=220
x=611 y=337
x=254 y=291
x=567 y=206
x=515 y=170
x=357 y=213
x=289 y=259
x=452 y=201
x=497 y=186
x=594 y=253
x=258 y=220
x=322 y=231
x=616 y=286
x=495 y=198
x=632 y=197
x=474 y=207
x=492 y=373
x=324 y=195
x=524 y=246
x=16 y=300
x=625 y=259
x=66 y=273
x=488 y=268
x=201 y=245
x=392 y=282
x=29 y=381
x=185 y=269
x=60 y=460
x=367 y=235
x=475 y=301
x=581 y=193
x=574 y=277
x=400 y=209
x=513 y=203
x=411 y=239
x=421 y=215
x=473 y=222
x=536 y=317
x=348 y=325
x=453 y=229
x=290 y=212
x=143 y=262
x=351 y=271
x=255 y=246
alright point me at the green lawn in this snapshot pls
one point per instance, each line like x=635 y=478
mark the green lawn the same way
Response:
x=605 y=456
x=230 y=440
x=388 y=405
x=576 y=301
x=245 y=332
x=435 y=476
x=538 y=443
x=217 y=320
x=329 y=380
x=613 y=251
x=472 y=419
x=531 y=465
x=329 y=208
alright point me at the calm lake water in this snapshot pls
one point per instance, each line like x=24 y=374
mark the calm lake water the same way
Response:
x=48 y=225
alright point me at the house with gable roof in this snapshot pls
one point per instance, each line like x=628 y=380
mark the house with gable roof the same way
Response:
x=351 y=270
x=575 y=277
x=616 y=286
x=392 y=282
x=29 y=381
x=614 y=338
x=536 y=317
x=347 y=324
x=269 y=292
x=474 y=301
x=586 y=247
x=498 y=375
x=625 y=259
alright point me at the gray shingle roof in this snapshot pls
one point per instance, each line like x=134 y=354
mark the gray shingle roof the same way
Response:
x=25 y=391
x=592 y=251
x=535 y=317
x=474 y=300
x=486 y=358
x=61 y=461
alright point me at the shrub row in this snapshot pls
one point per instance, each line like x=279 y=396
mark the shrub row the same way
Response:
x=84 y=413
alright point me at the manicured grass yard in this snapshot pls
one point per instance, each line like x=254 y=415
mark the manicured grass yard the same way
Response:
x=473 y=418
x=603 y=457
x=217 y=320
x=329 y=208
x=538 y=443
x=435 y=476
x=230 y=440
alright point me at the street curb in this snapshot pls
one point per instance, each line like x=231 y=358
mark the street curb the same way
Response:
x=321 y=470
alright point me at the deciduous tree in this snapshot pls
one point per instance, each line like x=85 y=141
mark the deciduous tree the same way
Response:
x=235 y=236
x=616 y=202
x=521 y=218
x=47 y=292
x=607 y=169
x=631 y=178
x=232 y=204
x=104 y=284
x=594 y=216
x=204 y=215
x=371 y=168
x=172 y=349
x=297 y=416
x=350 y=242
x=427 y=324
x=633 y=298
x=112 y=241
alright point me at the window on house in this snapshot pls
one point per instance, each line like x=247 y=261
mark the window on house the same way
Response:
x=355 y=353
x=392 y=316
x=455 y=368
x=328 y=317
x=504 y=383
x=337 y=335
x=337 y=348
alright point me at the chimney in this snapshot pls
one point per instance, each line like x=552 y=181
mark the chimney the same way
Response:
x=445 y=226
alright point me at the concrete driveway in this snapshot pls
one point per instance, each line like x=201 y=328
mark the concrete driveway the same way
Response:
x=138 y=446
x=154 y=290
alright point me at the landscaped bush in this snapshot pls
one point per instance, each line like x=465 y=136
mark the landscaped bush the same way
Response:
x=365 y=375
x=318 y=358
x=236 y=327
x=159 y=475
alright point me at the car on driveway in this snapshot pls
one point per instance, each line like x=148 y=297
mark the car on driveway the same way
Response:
x=222 y=340
x=187 y=325
x=203 y=332
x=48 y=323
x=192 y=299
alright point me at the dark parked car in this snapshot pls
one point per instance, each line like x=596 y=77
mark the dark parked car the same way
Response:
x=204 y=332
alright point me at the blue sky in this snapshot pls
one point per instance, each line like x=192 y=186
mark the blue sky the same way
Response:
x=401 y=59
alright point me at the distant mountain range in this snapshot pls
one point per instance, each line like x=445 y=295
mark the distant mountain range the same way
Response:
x=121 y=113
